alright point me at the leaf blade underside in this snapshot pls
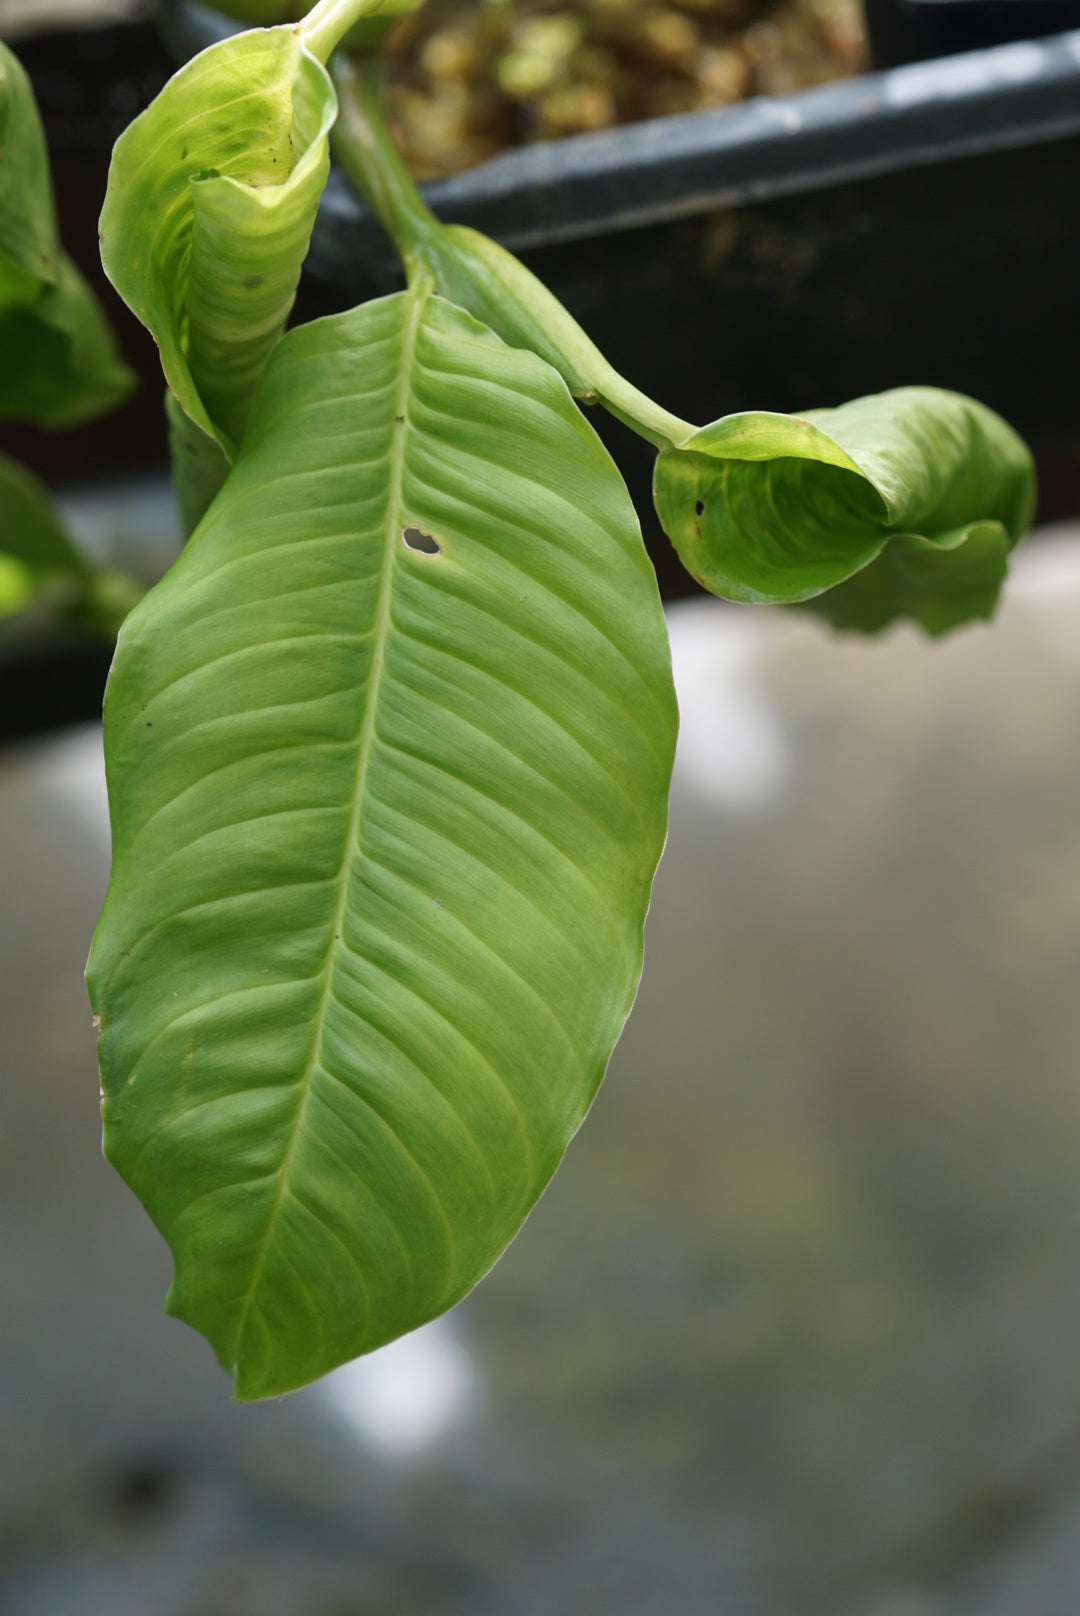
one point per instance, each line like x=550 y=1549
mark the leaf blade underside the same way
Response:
x=385 y=825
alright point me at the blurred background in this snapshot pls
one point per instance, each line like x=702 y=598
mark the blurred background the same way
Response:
x=796 y=1329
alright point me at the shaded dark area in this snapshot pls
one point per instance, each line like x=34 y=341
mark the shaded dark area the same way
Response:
x=916 y=30
x=50 y=680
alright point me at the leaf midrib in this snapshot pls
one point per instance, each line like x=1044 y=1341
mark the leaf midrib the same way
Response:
x=399 y=434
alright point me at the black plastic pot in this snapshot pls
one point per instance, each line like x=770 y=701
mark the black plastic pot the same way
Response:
x=692 y=164
x=915 y=30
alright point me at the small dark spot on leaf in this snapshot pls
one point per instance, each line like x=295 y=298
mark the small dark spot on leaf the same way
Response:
x=149 y=725
x=422 y=542
x=251 y=281
x=700 y=507
x=400 y=419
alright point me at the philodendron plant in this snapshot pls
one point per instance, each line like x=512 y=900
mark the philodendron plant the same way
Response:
x=389 y=748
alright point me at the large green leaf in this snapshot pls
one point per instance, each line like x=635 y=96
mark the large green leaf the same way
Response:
x=58 y=360
x=780 y=508
x=388 y=755
x=212 y=196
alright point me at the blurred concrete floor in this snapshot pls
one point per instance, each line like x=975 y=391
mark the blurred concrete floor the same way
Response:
x=796 y=1329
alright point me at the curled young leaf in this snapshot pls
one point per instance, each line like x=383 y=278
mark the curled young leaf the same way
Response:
x=212 y=196
x=777 y=508
x=58 y=360
x=388 y=754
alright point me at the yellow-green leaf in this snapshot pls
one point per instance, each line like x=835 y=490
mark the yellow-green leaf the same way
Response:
x=388 y=755
x=778 y=508
x=212 y=196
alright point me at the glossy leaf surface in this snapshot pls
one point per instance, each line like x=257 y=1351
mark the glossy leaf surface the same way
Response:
x=212 y=196
x=58 y=360
x=775 y=508
x=388 y=755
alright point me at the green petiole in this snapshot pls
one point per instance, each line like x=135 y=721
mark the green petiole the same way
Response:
x=327 y=23
x=476 y=272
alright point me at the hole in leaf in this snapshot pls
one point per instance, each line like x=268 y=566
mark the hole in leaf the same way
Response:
x=422 y=542
x=700 y=507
